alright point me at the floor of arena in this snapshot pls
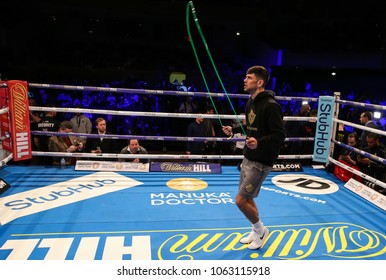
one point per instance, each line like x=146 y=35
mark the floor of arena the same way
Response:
x=62 y=214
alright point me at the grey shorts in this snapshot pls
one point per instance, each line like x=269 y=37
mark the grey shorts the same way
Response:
x=252 y=176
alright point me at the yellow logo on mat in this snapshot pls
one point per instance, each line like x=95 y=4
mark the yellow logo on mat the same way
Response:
x=187 y=184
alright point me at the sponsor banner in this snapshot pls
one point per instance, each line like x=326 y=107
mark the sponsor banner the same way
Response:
x=3 y=186
x=188 y=167
x=111 y=166
x=63 y=193
x=293 y=241
x=323 y=129
x=367 y=193
x=20 y=123
x=287 y=167
x=4 y=120
x=303 y=183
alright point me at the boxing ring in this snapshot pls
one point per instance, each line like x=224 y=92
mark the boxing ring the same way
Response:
x=186 y=212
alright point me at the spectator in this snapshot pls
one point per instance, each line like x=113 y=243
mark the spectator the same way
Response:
x=348 y=158
x=348 y=155
x=47 y=123
x=187 y=106
x=209 y=132
x=81 y=124
x=35 y=117
x=367 y=165
x=68 y=144
x=101 y=145
x=196 y=129
x=296 y=129
x=308 y=130
x=341 y=136
x=134 y=147
x=366 y=120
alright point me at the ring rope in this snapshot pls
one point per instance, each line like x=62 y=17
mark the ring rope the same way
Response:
x=139 y=137
x=160 y=92
x=377 y=131
x=5 y=137
x=360 y=104
x=130 y=113
x=356 y=172
x=152 y=114
x=5 y=160
x=157 y=138
x=290 y=118
x=287 y=118
x=135 y=91
x=297 y=98
x=368 y=155
x=156 y=156
x=132 y=156
x=358 y=151
x=4 y=110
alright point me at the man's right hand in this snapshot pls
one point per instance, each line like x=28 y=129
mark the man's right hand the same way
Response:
x=227 y=130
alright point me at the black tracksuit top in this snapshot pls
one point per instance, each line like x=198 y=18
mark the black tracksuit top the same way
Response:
x=264 y=121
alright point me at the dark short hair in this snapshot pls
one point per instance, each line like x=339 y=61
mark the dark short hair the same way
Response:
x=354 y=135
x=368 y=115
x=132 y=139
x=373 y=135
x=260 y=72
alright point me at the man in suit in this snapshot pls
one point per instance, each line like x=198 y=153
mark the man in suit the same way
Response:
x=66 y=144
x=101 y=144
x=366 y=120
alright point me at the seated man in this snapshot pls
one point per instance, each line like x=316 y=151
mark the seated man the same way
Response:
x=368 y=166
x=349 y=158
x=348 y=155
x=134 y=148
x=68 y=144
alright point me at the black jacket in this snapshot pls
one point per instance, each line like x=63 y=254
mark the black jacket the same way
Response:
x=264 y=121
x=107 y=145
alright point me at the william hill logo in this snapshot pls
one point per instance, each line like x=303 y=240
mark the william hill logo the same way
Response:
x=185 y=167
x=287 y=242
x=166 y=166
x=329 y=241
x=20 y=120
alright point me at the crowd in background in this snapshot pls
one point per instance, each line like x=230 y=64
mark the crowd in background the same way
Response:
x=167 y=103
x=155 y=126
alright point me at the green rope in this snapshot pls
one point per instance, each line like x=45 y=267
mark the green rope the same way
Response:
x=196 y=55
x=190 y=6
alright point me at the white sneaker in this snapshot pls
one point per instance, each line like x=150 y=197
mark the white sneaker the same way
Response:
x=251 y=236
x=259 y=240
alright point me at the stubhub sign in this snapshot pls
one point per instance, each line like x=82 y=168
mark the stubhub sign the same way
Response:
x=63 y=193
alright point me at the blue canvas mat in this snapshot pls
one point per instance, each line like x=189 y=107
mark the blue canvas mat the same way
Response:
x=63 y=214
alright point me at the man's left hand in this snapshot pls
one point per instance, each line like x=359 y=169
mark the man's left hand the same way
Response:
x=251 y=143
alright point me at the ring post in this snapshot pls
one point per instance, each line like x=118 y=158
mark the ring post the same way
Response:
x=334 y=124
